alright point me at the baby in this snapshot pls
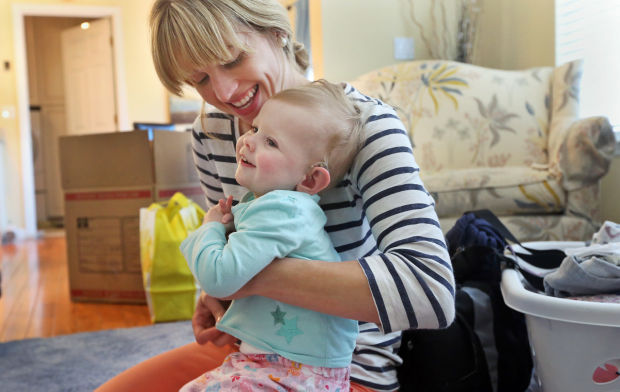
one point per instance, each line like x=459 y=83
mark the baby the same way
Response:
x=302 y=142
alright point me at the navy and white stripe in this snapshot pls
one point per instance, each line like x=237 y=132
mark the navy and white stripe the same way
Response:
x=380 y=215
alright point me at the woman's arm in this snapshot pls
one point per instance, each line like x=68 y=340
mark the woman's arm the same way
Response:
x=339 y=289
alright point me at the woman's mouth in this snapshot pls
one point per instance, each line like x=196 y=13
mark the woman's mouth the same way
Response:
x=244 y=102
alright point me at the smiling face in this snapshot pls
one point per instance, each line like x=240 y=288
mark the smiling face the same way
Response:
x=241 y=86
x=280 y=149
x=236 y=53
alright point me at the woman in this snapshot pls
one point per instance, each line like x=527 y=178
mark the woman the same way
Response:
x=395 y=272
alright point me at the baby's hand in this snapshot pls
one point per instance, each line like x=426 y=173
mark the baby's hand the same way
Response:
x=221 y=213
x=227 y=217
x=214 y=214
x=226 y=208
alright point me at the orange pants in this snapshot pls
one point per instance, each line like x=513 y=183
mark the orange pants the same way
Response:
x=171 y=370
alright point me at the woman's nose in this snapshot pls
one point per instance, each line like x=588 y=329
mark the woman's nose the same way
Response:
x=224 y=86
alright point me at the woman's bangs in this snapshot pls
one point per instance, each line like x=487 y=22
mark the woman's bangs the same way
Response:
x=188 y=44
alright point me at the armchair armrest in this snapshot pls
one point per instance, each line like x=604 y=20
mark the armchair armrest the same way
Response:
x=585 y=152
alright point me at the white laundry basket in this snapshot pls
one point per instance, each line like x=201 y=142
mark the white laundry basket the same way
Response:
x=569 y=338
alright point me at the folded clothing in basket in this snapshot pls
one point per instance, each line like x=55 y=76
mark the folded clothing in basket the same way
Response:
x=591 y=269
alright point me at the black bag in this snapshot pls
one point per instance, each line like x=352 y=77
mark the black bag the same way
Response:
x=486 y=348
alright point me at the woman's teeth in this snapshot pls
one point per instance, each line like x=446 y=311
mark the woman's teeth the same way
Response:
x=245 y=100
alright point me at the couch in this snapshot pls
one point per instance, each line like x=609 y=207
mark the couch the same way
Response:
x=509 y=141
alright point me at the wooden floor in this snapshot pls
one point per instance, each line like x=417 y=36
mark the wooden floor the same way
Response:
x=35 y=295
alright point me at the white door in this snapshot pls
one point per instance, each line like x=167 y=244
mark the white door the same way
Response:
x=88 y=68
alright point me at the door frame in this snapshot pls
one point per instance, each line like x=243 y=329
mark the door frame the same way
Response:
x=20 y=11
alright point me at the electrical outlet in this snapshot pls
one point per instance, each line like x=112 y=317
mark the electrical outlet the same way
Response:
x=403 y=48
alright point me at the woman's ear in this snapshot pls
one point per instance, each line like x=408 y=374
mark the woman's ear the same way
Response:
x=315 y=181
x=281 y=37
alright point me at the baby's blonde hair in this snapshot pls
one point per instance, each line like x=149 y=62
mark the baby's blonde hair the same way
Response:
x=340 y=116
x=195 y=33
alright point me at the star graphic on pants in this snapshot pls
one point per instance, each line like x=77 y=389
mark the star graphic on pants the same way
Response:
x=278 y=316
x=289 y=329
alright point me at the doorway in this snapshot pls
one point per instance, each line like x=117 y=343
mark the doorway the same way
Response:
x=47 y=104
x=71 y=91
x=20 y=12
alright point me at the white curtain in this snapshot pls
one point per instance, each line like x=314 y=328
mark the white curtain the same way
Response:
x=302 y=31
x=590 y=29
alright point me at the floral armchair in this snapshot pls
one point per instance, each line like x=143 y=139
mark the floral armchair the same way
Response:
x=509 y=141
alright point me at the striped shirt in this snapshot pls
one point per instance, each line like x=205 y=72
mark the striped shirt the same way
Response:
x=380 y=214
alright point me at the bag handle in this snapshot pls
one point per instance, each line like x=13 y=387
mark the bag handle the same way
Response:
x=541 y=258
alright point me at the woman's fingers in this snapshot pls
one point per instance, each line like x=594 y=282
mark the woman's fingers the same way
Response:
x=208 y=311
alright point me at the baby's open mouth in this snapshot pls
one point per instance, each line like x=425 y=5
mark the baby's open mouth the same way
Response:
x=245 y=162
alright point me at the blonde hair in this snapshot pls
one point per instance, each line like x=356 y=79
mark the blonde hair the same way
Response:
x=340 y=116
x=196 y=33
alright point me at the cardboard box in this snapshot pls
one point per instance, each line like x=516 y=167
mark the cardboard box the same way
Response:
x=107 y=178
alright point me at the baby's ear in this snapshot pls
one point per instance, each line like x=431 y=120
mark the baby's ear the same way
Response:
x=315 y=181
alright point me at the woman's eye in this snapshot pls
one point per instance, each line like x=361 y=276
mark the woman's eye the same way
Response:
x=235 y=62
x=202 y=80
x=254 y=129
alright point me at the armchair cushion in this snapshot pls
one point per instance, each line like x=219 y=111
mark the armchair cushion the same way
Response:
x=503 y=190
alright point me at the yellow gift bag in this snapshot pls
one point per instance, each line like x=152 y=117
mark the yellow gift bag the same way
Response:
x=171 y=290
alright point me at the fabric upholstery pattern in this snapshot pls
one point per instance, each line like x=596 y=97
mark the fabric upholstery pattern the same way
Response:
x=509 y=141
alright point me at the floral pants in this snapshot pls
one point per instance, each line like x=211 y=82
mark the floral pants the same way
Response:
x=269 y=372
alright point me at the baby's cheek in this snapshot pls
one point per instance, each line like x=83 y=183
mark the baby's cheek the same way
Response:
x=268 y=165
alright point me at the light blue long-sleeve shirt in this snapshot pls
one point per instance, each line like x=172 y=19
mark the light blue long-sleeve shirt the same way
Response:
x=275 y=225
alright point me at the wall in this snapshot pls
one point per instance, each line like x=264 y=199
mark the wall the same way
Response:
x=610 y=188
x=516 y=34
x=358 y=34
x=146 y=98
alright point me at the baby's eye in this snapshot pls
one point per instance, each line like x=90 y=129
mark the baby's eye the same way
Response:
x=271 y=143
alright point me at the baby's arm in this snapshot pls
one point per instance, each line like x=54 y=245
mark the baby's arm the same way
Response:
x=223 y=267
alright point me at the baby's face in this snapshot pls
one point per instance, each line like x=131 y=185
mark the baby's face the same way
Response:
x=279 y=150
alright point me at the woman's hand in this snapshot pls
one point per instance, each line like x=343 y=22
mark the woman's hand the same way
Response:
x=209 y=311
